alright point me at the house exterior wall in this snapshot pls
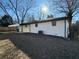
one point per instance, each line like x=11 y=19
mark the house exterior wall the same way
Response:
x=47 y=28
x=25 y=28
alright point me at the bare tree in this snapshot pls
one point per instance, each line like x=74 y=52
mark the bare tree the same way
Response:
x=2 y=6
x=69 y=7
x=18 y=7
x=40 y=14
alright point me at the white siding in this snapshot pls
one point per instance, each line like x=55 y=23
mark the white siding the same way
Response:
x=20 y=28
x=25 y=28
x=47 y=28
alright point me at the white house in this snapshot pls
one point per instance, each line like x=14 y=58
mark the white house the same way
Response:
x=57 y=26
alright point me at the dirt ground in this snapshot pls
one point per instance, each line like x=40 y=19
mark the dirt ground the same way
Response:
x=43 y=46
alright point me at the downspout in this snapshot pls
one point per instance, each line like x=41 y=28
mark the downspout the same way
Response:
x=29 y=28
x=22 y=28
x=65 y=28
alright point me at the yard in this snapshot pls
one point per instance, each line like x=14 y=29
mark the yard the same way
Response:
x=9 y=51
x=36 y=46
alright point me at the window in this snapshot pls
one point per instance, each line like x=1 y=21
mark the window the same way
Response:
x=25 y=25
x=36 y=25
x=53 y=23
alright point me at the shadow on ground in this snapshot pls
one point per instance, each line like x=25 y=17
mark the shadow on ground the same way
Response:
x=43 y=46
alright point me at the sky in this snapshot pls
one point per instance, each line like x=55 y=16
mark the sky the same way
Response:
x=36 y=9
x=38 y=6
x=52 y=11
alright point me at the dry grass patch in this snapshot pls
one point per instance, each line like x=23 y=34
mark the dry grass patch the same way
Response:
x=9 y=51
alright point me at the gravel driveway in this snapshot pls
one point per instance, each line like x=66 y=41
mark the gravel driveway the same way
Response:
x=44 y=47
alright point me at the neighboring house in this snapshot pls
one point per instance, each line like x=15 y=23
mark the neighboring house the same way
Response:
x=57 y=27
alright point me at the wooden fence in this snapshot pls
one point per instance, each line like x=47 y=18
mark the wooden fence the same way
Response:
x=75 y=33
x=7 y=29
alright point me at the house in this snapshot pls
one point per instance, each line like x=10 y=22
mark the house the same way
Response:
x=57 y=26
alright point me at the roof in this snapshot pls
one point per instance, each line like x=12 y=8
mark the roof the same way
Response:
x=43 y=21
x=14 y=25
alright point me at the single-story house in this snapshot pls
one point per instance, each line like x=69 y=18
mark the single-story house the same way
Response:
x=51 y=26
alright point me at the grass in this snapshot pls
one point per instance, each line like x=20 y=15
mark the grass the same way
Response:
x=9 y=51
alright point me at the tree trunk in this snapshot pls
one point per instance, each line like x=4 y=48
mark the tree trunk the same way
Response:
x=70 y=29
x=22 y=26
